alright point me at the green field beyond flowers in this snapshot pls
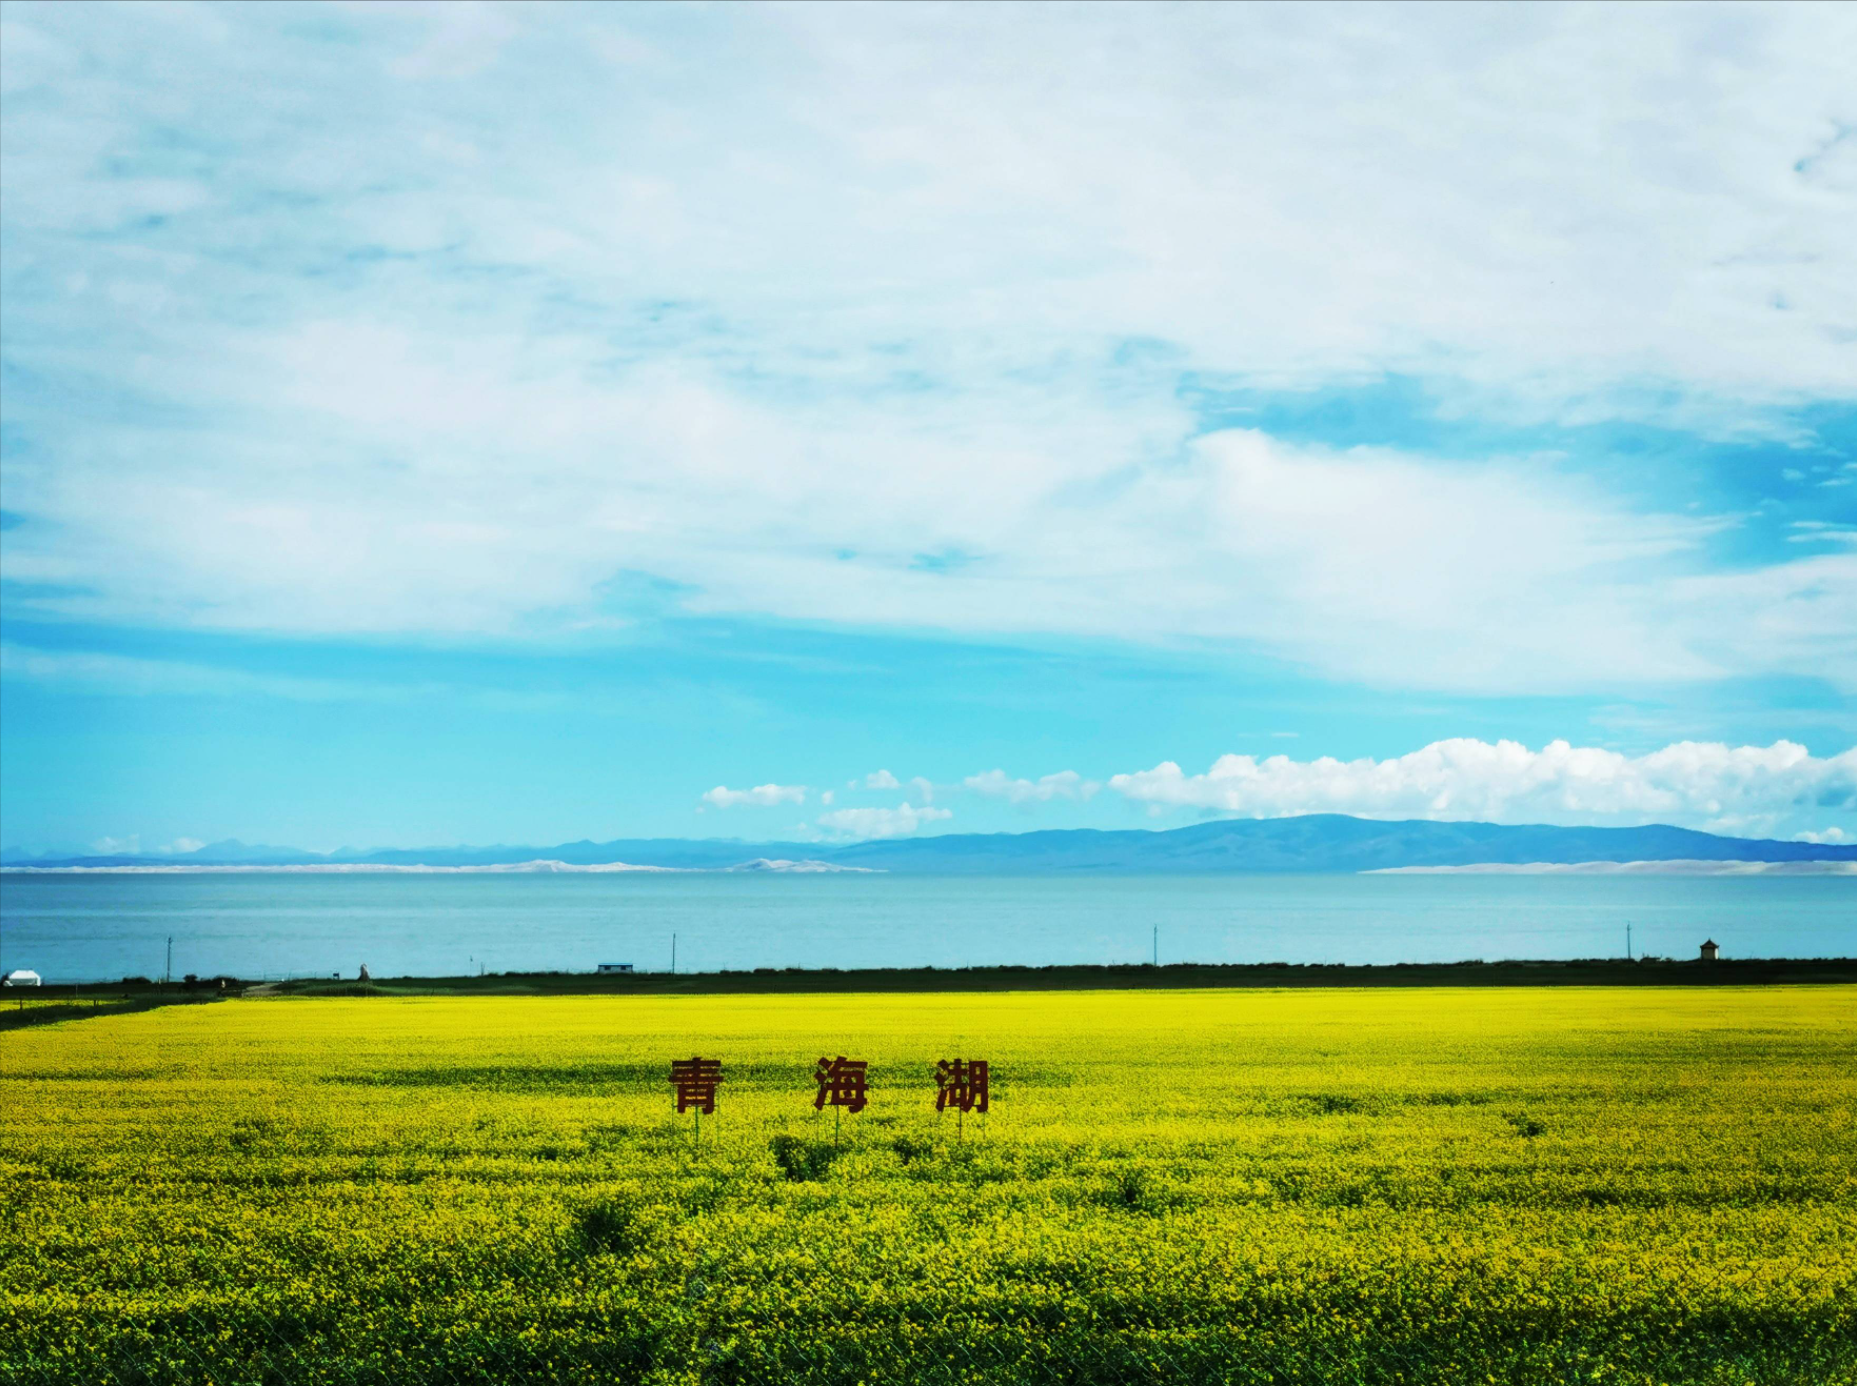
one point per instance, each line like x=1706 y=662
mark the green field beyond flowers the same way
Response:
x=1453 y=1185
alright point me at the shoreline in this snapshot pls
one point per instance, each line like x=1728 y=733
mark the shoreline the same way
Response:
x=1671 y=866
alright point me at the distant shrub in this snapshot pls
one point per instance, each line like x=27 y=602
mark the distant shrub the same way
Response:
x=908 y=1148
x=801 y=1159
x=251 y=1133
x=612 y=1227
x=1334 y=1103
x=1525 y=1125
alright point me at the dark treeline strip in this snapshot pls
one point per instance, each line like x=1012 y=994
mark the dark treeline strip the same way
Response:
x=1595 y=972
x=21 y=1008
x=114 y=998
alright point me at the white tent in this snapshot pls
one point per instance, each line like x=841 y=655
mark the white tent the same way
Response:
x=23 y=978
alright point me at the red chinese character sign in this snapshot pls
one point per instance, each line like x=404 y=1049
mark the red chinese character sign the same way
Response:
x=841 y=1087
x=696 y=1080
x=840 y=1083
x=961 y=1084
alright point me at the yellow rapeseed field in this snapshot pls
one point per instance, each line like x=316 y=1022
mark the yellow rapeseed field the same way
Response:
x=1452 y=1186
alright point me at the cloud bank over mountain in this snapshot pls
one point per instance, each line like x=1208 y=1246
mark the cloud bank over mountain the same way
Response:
x=1736 y=790
x=1732 y=789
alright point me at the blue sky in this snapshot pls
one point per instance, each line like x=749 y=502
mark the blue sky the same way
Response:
x=430 y=424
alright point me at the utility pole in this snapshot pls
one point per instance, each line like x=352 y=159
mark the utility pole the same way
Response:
x=168 y=977
x=1628 y=957
x=1157 y=945
x=673 y=954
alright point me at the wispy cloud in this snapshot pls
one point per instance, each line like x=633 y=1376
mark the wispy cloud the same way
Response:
x=991 y=438
x=130 y=675
x=889 y=334
x=450 y=38
x=123 y=674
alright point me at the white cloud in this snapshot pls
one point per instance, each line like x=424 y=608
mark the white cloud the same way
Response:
x=923 y=789
x=1834 y=836
x=761 y=796
x=827 y=797
x=1065 y=784
x=900 y=821
x=180 y=846
x=1739 y=788
x=117 y=846
x=1019 y=232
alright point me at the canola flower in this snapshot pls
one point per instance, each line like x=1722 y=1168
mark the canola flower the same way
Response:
x=1387 y=1186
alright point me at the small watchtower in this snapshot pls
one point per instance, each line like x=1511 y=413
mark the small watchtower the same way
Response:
x=1709 y=951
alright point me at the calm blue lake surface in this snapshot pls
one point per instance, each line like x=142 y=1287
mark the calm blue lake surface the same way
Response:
x=105 y=927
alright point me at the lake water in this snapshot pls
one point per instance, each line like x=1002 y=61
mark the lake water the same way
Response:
x=98 y=928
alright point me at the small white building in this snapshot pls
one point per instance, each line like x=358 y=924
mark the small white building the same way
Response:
x=25 y=977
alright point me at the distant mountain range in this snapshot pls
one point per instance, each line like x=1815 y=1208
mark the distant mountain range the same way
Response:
x=1314 y=843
